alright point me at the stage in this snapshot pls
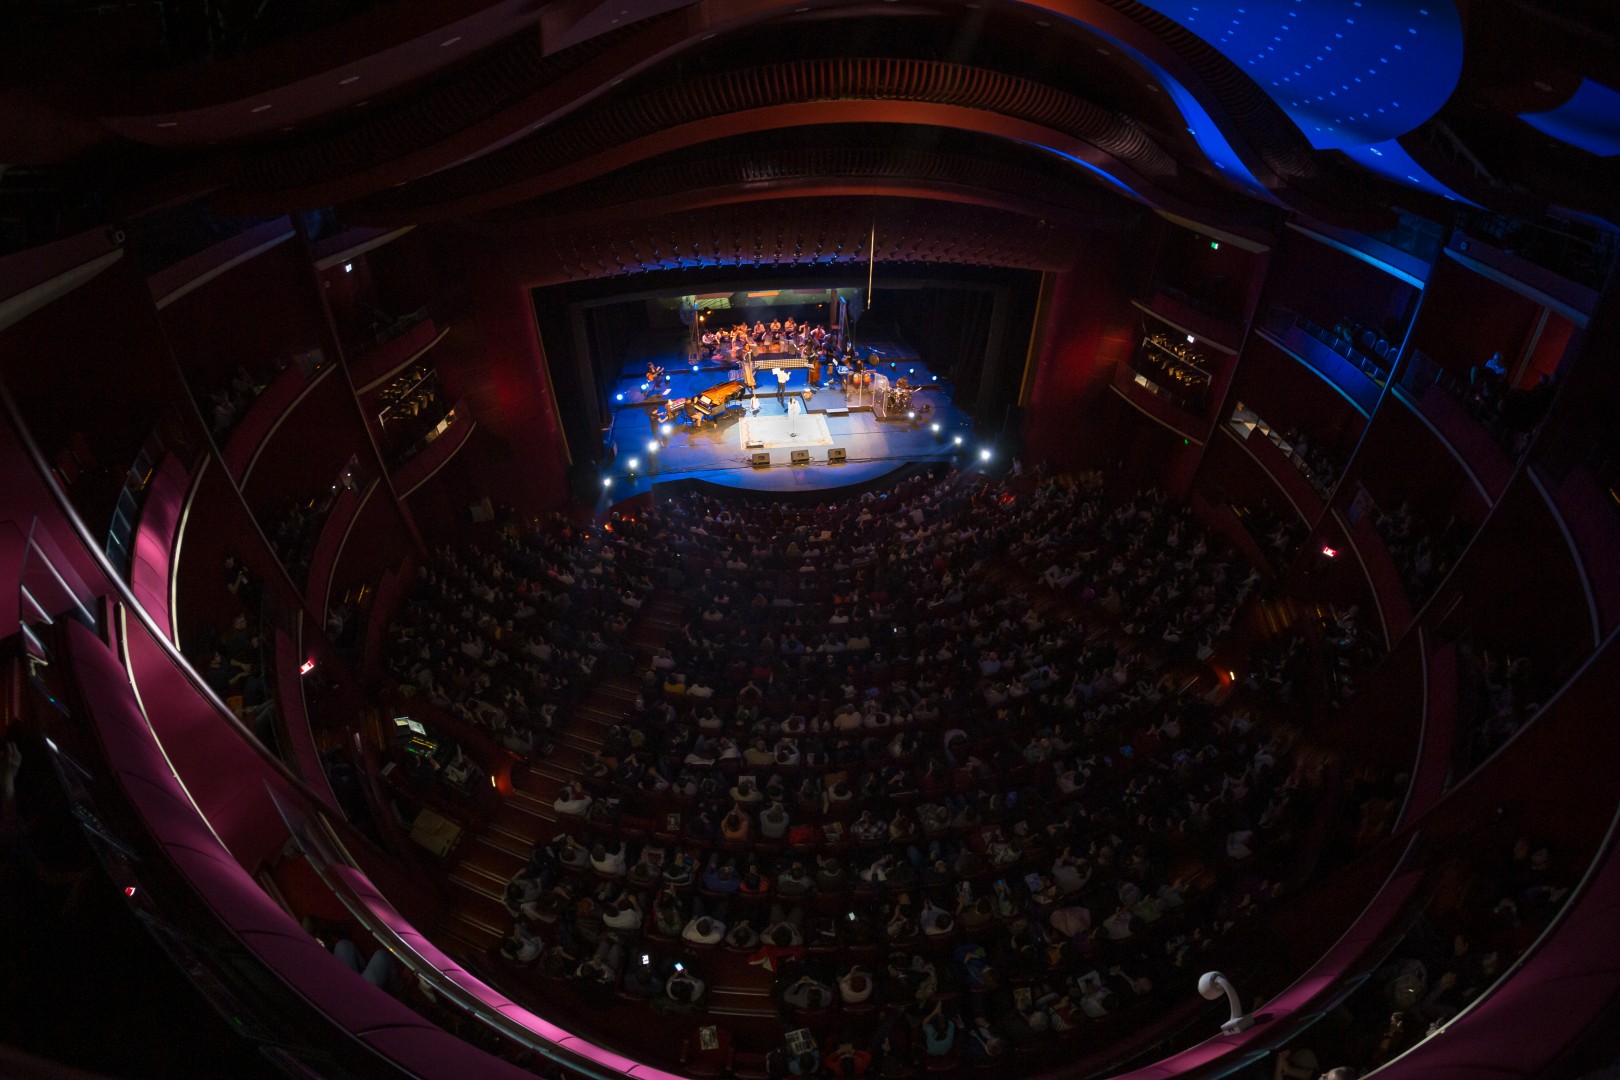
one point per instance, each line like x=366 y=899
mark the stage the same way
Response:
x=815 y=422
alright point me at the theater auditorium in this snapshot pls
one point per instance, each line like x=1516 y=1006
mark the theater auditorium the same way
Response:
x=644 y=539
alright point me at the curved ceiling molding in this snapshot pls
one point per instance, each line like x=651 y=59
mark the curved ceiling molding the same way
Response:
x=820 y=232
x=1248 y=139
x=835 y=90
x=1589 y=120
x=1347 y=72
x=713 y=180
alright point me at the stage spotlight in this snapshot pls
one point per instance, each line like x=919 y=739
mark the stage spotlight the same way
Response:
x=984 y=455
x=934 y=428
x=607 y=481
x=936 y=378
x=911 y=371
x=666 y=429
x=634 y=464
x=694 y=367
x=1191 y=339
x=618 y=397
x=911 y=414
x=644 y=387
x=652 y=447
x=957 y=440
x=348 y=268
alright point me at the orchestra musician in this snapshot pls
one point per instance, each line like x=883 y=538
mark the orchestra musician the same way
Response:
x=815 y=369
x=655 y=376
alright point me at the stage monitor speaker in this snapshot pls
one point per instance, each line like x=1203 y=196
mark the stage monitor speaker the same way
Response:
x=801 y=457
x=837 y=456
x=762 y=460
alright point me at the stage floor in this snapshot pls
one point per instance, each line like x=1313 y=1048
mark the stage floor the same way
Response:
x=715 y=451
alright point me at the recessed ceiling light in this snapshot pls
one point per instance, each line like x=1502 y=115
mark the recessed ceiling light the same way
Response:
x=449 y=41
x=261 y=108
x=362 y=104
x=167 y=123
x=1545 y=88
x=350 y=79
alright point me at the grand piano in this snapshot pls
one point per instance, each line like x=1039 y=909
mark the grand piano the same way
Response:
x=711 y=404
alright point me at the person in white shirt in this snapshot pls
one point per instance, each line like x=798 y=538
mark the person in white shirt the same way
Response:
x=782 y=377
x=569 y=801
x=703 y=930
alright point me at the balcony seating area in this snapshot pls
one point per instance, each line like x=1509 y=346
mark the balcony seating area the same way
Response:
x=1487 y=424
x=1422 y=557
x=1487 y=911
x=1346 y=355
x=1008 y=721
x=1179 y=372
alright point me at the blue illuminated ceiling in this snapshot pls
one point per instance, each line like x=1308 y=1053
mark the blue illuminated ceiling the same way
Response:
x=1590 y=120
x=1348 y=72
x=1391 y=161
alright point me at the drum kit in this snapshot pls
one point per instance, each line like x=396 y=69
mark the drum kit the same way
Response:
x=898 y=397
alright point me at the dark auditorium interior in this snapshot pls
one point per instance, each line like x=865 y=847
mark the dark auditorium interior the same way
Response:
x=643 y=539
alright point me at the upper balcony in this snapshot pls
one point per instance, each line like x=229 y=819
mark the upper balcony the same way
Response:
x=265 y=414
x=1306 y=489
x=1484 y=441
x=1149 y=397
x=1357 y=369
x=434 y=450
x=400 y=344
x=1184 y=312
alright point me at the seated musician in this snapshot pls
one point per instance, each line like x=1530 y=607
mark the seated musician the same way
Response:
x=759 y=331
x=655 y=375
x=776 y=329
x=815 y=371
x=788 y=324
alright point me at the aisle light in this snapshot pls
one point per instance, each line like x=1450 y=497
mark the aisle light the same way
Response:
x=652 y=446
x=634 y=464
x=666 y=429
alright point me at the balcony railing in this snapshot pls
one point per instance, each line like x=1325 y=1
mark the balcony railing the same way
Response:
x=1358 y=374
x=1487 y=430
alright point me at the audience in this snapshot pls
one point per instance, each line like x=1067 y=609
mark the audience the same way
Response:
x=1021 y=816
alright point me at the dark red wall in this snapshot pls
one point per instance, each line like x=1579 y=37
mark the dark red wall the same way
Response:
x=1466 y=317
x=1286 y=395
x=1089 y=328
x=1326 y=285
x=254 y=312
